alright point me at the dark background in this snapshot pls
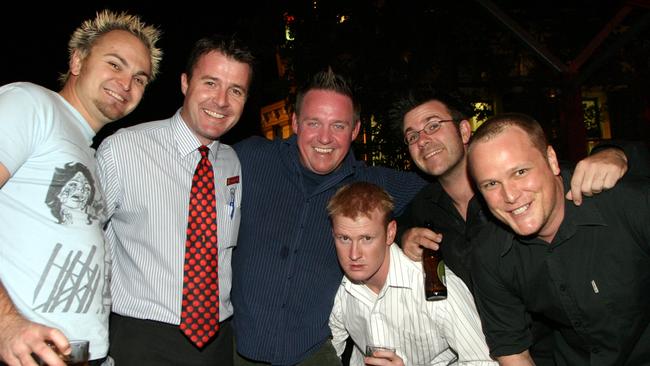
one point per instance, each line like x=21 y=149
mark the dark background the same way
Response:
x=34 y=47
x=384 y=45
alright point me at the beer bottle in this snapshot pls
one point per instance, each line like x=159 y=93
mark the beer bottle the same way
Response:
x=434 y=272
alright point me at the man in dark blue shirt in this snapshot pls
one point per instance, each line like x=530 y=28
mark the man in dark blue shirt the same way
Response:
x=583 y=270
x=285 y=269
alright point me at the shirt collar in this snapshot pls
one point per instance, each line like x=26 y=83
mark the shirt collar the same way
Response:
x=291 y=157
x=186 y=141
x=346 y=166
x=587 y=214
x=88 y=131
x=435 y=192
x=397 y=273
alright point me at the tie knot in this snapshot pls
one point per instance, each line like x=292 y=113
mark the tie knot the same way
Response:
x=204 y=151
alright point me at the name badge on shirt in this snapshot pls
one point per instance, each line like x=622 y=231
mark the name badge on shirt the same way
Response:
x=230 y=181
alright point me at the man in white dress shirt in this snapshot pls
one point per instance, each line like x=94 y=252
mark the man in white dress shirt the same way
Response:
x=146 y=172
x=381 y=299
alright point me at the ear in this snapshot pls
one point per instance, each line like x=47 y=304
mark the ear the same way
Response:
x=184 y=83
x=75 y=63
x=391 y=231
x=551 y=157
x=294 y=123
x=465 y=129
x=355 y=132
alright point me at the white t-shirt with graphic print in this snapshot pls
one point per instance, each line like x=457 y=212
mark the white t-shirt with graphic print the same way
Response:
x=52 y=257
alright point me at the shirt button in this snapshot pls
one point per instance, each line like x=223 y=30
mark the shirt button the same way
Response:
x=577 y=324
x=562 y=288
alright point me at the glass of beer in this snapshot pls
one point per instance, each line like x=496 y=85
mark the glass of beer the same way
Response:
x=78 y=356
x=370 y=349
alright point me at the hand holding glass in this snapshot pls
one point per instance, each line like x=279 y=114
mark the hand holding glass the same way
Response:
x=370 y=349
x=78 y=354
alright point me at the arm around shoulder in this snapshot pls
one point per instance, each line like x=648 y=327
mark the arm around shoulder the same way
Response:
x=637 y=154
x=596 y=173
x=402 y=186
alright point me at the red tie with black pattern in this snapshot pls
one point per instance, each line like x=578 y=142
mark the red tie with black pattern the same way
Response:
x=200 y=306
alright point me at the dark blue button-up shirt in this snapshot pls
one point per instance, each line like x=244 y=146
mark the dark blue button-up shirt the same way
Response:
x=285 y=269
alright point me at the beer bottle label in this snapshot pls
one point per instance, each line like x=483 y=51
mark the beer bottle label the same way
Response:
x=441 y=272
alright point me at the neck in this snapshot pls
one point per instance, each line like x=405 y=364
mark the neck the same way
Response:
x=378 y=280
x=458 y=186
x=70 y=95
x=556 y=216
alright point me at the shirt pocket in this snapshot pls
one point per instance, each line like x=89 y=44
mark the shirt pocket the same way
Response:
x=229 y=216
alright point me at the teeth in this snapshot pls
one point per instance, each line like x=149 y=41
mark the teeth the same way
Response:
x=323 y=150
x=521 y=209
x=115 y=95
x=432 y=153
x=214 y=114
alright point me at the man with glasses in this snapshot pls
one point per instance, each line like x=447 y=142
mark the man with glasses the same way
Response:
x=446 y=214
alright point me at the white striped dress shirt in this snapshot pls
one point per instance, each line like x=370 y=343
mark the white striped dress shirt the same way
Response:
x=146 y=174
x=445 y=332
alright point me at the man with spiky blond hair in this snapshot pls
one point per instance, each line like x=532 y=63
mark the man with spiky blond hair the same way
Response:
x=53 y=266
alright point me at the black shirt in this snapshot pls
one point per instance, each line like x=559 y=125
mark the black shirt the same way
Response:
x=432 y=205
x=591 y=283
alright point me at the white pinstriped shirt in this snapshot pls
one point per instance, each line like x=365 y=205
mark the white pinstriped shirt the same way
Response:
x=445 y=332
x=146 y=174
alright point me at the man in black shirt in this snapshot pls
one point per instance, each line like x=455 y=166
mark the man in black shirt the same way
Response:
x=583 y=270
x=436 y=129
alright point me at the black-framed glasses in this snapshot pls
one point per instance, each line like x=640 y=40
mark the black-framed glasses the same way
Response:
x=430 y=128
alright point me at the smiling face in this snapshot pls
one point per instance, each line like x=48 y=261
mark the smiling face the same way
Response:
x=363 y=247
x=75 y=193
x=110 y=81
x=521 y=186
x=215 y=95
x=442 y=152
x=325 y=128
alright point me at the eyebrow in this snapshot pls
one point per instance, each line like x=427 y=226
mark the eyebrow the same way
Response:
x=215 y=78
x=425 y=120
x=126 y=63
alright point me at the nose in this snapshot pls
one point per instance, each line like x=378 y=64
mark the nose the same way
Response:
x=423 y=139
x=510 y=192
x=355 y=252
x=221 y=97
x=324 y=135
x=125 y=82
